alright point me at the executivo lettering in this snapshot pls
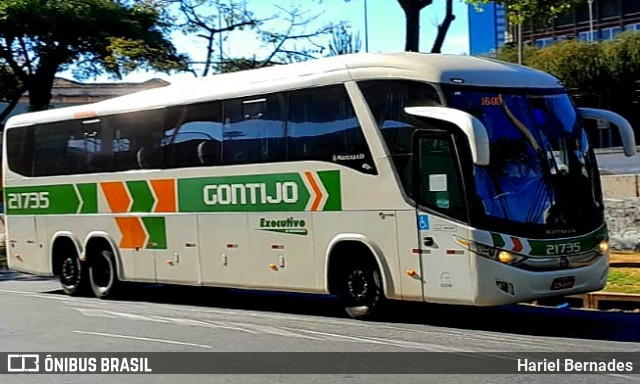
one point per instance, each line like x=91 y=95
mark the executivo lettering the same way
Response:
x=290 y=225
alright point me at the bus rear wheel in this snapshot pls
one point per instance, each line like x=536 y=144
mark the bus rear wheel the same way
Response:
x=73 y=275
x=103 y=275
x=361 y=291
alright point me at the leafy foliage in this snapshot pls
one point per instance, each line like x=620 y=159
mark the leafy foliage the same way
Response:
x=39 y=38
x=599 y=74
x=520 y=10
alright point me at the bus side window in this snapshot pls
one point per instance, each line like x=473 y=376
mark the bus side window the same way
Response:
x=193 y=135
x=20 y=150
x=254 y=130
x=322 y=126
x=387 y=100
x=131 y=133
x=52 y=154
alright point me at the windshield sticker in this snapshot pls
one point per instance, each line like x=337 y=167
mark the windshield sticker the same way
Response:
x=442 y=203
x=438 y=182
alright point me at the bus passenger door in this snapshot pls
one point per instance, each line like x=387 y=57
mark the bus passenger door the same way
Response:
x=441 y=218
x=177 y=260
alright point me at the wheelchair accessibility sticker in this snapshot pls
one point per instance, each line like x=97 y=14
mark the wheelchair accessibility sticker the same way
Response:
x=423 y=222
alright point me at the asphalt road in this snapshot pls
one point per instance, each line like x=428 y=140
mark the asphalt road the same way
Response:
x=35 y=316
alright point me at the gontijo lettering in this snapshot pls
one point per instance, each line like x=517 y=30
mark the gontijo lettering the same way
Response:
x=250 y=193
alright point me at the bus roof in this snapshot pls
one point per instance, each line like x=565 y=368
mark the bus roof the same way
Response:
x=435 y=68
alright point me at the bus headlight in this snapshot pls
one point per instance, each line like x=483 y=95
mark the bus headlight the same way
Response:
x=496 y=254
x=603 y=247
x=506 y=257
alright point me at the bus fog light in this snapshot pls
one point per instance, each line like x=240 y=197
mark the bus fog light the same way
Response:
x=505 y=287
x=506 y=257
x=603 y=247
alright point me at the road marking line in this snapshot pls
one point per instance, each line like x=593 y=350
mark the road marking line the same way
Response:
x=39 y=295
x=375 y=340
x=143 y=339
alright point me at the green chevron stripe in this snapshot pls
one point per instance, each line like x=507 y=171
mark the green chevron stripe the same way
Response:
x=157 y=231
x=89 y=197
x=143 y=199
x=331 y=182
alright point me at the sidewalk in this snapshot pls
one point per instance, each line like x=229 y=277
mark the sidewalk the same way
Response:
x=625 y=259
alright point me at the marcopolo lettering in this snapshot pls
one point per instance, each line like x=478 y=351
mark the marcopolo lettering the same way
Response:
x=251 y=193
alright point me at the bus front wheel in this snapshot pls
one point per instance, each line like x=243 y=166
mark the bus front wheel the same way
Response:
x=361 y=292
x=103 y=275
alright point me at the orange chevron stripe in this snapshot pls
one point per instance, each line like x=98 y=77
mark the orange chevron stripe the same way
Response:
x=517 y=245
x=117 y=196
x=133 y=234
x=316 y=189
x=165 y=191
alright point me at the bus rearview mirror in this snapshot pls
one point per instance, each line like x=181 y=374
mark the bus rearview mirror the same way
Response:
x=472 y=127
x=624 y=127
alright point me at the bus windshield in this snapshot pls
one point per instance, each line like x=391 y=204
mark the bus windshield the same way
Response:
x=542 y=169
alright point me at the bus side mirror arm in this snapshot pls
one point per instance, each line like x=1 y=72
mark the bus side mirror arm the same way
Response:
x=624 y=127
x=470 y=125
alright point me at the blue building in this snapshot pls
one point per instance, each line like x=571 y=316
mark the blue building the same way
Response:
x=487 y=28
x=606 y=18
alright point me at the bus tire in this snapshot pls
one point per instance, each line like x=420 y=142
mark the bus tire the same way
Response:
x=72 y=273
x=361 y=292
x=103 y=274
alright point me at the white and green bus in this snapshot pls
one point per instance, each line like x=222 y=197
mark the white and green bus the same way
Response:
x=436 y=178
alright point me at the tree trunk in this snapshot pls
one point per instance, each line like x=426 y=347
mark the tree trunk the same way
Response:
x=39 y=87
x=412 y=10
x=412 y=42
x=443 y=28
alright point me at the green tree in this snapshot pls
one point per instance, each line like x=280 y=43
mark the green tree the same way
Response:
x=519 y=11
x=40 y=38
x=598 y=74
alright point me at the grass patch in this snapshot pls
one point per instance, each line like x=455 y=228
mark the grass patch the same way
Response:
x=623 y=280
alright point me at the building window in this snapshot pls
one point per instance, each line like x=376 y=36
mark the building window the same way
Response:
x=541 y=43
x=584 y=36
x=632 y=27
x=610 y=33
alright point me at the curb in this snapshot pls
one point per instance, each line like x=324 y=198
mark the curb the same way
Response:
x=594 y=301
x=610 y=301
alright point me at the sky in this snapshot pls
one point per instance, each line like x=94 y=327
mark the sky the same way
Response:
x=385 y=30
